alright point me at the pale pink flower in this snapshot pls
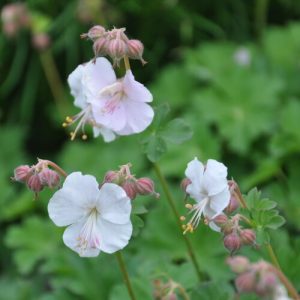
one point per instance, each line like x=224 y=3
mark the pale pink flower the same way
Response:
x=209 y=189
x=122 y=106
x=85 y=82
x=97 y=219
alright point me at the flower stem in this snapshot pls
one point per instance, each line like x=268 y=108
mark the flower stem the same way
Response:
x=288 y=285
x=240 y=198
x=273 y=256
x=127 y=63
x=174 y=209
x=56 y=168
x=125 y=275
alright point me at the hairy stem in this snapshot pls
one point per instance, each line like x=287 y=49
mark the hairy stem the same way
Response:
x=177 y=215
x=125 y=275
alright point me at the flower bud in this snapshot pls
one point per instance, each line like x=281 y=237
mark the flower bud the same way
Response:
x=135 y=50
x=220 y=220
x=130 y=189
x=22 y=173
x=266 y=284
x=184 y=183
x=245 y=282
x=34 y=183
x=232 y=242
x=49 y=178
x=94 y=33
x=100 y=46
x=233 y=205
x=116 y=49
x=111 y=176
x=145 y=186
x=248 y=236
x=238 y=264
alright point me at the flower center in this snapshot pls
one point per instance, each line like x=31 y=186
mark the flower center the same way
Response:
x=197 y=210
x=113 y=95
x=88 y=237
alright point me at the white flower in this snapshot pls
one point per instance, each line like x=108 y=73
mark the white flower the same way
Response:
x=97 y=219
x=242 y=56
x=209 y=188
x=85 y=82
x=122 y=106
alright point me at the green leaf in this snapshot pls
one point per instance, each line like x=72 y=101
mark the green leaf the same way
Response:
x=154 y=147
x=177 y=131
x=266 y=204
x=161 y=113
x=137 y=223
x=139 y=208
x=276 y=222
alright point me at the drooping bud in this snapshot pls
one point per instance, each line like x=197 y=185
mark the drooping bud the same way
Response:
x=145 y=186
x=245 y=282
x=238 y=264
x=100 y=46
x=111 y=176
x=49 y=178
x=94 y=33
x=184 y=183
x=220 y=220
x=116 y=49
x=232 y=242
x=22 y=173
x=135 y=50
x=233 y=205
x=130 y=189
x=266 y=284
x=248 y=236
x=34 y=183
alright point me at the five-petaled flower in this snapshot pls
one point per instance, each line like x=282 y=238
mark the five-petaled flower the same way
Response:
x=112 y=106
x=97 y=219
x=209 y=188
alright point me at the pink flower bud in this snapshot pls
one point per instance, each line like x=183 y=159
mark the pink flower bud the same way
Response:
x=116 y=49
x=266 y=284
x=145 y=186
x=111 y=176
x=34 y=183
x=94 y=33
x=22 y=173
x=135 y=50
x=233 y=205
x=100 y=46
x=245 y=282
x=130 y=189
x=248 y=236
x=184 y=183
x=238 y=264
x=49 y=178
x=41 y=41
x=220 y=220
x=232 y=242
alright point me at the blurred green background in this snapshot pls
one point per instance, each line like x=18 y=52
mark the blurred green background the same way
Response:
x=231 y=69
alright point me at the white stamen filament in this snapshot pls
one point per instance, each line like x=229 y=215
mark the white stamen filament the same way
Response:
x=88 y=237
x=198 y=210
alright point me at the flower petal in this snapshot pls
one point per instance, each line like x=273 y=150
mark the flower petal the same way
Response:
x=220 y=201
x=113 y=237
x=194 y=172
x=108 y=135
x=97 y=75
x=77 y=90
x=214 y=179
x=135 y=90
x=113 y=204
x=71 y=239
x=138 y=115
x=74 y=199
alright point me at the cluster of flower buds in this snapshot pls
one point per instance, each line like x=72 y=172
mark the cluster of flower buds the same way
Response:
x=167 y=290
x=132 y=186
x=259 y=278
x=234 y=235
x=14 y=17
x=115 y=44
x=37 y=176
